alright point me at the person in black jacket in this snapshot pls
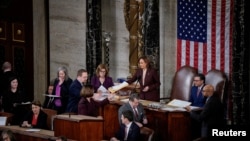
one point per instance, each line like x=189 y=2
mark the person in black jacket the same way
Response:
x=61 y=89
x=35 y=118
x=212 y=114
x=129 y=130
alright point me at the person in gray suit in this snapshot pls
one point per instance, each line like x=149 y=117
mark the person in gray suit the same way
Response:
x=136 y=107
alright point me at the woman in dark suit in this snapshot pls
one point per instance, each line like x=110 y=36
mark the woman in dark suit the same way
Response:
x=148 y=79
x=35 y=118
x=101 y=79
x=61 y=89
x=87 y=105
x=12 y=98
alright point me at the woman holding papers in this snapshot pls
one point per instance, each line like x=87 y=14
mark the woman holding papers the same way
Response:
x=101 y=81
x=87 y=104
x=148 y=79
x=35 y=118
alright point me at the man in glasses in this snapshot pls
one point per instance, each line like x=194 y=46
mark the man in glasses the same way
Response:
x=196 y=97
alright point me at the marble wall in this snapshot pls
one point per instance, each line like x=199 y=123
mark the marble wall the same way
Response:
x=67 y=21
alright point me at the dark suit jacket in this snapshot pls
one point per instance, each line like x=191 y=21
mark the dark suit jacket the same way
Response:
x=74 y=96
x=140 y=109
x=133 y=133
x=212 y=115
x=90 y=108
x=41 y=120
x=64 y=94
x=197 y=101
x=96 y=83
x=152 y=80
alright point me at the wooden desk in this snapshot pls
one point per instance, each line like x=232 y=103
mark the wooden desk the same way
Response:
x=79 y=127
x=170 y=126
x=23 y=135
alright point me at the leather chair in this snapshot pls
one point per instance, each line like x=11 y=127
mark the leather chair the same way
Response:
x=218 y=79
x=182 y=83
x=51 y=114
x=146 y=134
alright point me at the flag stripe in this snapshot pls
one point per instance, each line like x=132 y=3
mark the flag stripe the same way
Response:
x=222 y=35
x=204 y=41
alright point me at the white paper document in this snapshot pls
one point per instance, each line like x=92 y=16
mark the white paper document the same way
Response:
x=3 y=120
x=115 y=88
x=179 y=103
x=102 y=89
x=33 y=130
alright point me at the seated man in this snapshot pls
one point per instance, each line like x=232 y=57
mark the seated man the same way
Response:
x=137 y=109
x=129 y=130
x=196 y=97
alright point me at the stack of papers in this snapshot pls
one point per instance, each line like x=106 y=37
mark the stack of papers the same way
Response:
x=179 y=103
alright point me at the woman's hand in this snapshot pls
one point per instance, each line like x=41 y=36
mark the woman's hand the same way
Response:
x=145 y=89
x=26 y=124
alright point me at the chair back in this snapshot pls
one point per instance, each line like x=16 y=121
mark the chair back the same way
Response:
x=146 y=134
x=218 y=80
x=182 y=83
x=51 y=114
x=9 y=117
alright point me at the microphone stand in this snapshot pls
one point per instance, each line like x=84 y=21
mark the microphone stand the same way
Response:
x=138 y=79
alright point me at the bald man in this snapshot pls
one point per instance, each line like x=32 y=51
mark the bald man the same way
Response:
x=212 y=114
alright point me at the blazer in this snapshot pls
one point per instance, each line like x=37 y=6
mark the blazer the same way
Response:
x=197 y=101
x=152 y=80
x=64 y=93
x=74 y=96
x=108 y=82
x=133 y=133
x=212 y=115
x=127 y=106
x=90 y=108
x=41 y=120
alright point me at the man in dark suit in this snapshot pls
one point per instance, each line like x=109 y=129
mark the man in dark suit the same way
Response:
x=212 y=115
x=196 y=96
x=137 y=110
x=74 y=91
x=129 y=130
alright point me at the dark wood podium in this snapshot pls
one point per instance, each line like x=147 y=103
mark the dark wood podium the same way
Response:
x=79 y=127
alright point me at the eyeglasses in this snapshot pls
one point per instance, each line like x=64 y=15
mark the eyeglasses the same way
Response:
x=103 y=71
x=197 y=80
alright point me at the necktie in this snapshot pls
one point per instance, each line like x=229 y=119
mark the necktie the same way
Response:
x=136 y=113
x=198 y=91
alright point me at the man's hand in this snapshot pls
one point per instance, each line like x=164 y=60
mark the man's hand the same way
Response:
x=188 y=108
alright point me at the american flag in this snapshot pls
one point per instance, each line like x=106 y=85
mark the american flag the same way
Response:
x=204 y=34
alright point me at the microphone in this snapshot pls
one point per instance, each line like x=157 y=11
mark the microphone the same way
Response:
x=137 y=80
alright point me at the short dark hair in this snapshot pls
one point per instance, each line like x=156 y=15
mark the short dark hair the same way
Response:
x=128 y=114
x=133 y=96
x=201 y=76
x=80 y=71
x=87 y=91
x=37 y=103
